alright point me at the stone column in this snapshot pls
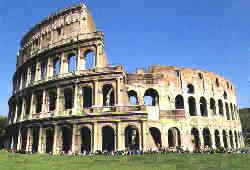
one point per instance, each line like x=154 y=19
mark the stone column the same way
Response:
x=76 y=107
x=213 y=138
x=198 y=105
x=228 y=140
x=221 y=138
x=80 y=61
x=19 y=140
x=201 y=138
x=44 y=103
x=64 y=64
x=32 y=105
x=97 y=141
x=56 y=147
x=58 y=101
x=120 y=137
x=97 y=96
x=76 y=143
x=50 y=68
x=42 y=140
x=23 y=109
x=143 y=137
x=29 y=140
x=118 y=92
x=38 y=71
x=28 y=76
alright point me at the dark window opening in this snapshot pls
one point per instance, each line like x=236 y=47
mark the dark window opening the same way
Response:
x=43 y=70
x=85 y=139
x=87 y=96
x=156 y=136
x=213 y=106
x=108 y=139
x=72 y=63
x=203 y=106
x=89 y=57
x=174 y=137
x=190 y=89
x=56 y=66
x=179 y=102
x=207 y=137
x=133 y=99
x=151 y=97
x=192 y=106
x=68 y=98
x=221 y=111
x=108 y=95
x=132 y=138
x=52 y=100
x=39 y=101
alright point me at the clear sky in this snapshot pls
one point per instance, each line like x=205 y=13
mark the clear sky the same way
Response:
x=205 y=34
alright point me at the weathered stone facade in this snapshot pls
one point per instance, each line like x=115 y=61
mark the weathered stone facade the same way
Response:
x=60 y=103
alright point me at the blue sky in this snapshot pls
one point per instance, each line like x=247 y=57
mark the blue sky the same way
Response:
x=211 y=35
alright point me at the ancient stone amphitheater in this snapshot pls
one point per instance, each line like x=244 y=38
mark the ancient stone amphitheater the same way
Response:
x=67 y=98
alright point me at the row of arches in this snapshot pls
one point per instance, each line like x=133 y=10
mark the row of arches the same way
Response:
x=226 y=140
x=86 y=140
x=151 y=97
x=46 y=101
x=57 y=65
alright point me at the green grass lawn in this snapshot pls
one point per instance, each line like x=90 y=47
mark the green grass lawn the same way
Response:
x=10 y=161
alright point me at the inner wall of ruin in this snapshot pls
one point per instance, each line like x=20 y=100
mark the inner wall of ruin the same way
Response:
x=67 y=98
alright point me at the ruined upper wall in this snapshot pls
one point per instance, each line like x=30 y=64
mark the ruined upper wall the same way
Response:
x=55 y=30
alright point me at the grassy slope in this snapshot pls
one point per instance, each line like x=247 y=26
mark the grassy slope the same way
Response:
x=9 y=161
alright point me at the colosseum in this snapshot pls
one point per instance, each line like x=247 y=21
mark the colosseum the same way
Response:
x=67 y=98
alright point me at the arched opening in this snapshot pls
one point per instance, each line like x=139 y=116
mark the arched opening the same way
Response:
x=217 y=82
x=232 y=111
x=192 y=106
x=190 y=89
x=32 y=73
x=49 y=139
x=203 y=106
x=108 y=95
x=221 y=111
x=156 y=136
x=207 y=137
x=27 y=104
x=24 y=133
x=217 y=138
x=227 y=111
x=231 y=139
x=71 y=62
x=89 y=57
x=52 y=100
x=68 y=98
x=87 y=97
x=39 y=101
x=86 y=139
x=132 y=138
x=43 y=70
x=195 y=139
x=236 y=139
x=151 y=97
x=179 y=102
x=66 y=139
x=174 y=137
x=19 y=108
x=212 y=106
x=133 y=99
x=225 y=139
x=108 y=139
x=225 y=95
x=35 y=139
x=56 y=66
